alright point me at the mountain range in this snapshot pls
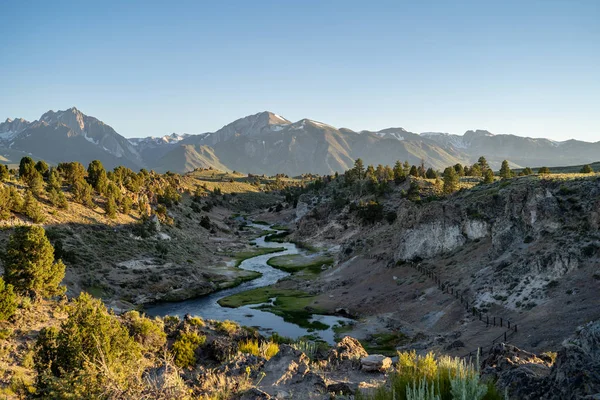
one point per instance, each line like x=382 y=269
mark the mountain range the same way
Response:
x=266 y=143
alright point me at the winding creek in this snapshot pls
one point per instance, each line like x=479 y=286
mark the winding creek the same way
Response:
x=267 y=323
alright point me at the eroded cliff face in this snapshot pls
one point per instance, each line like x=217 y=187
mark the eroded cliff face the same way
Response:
x=535 y=231
x=526 y=249
x=431 y=239
x=506 y=216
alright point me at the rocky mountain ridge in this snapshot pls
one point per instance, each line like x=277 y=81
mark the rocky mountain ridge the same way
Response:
x=267 y=143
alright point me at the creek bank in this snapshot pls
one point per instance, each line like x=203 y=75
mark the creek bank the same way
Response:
x=286 y=315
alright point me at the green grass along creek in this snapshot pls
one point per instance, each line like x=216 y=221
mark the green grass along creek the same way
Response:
x=257 y=302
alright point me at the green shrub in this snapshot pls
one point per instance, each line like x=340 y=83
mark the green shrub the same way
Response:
x=57 y=198
x=169 y=196
x=90 y=351
x=8 y=300
x=391 y=217
x=227 y=326
x=147 y=332
x=370 y=212
x=196 y=321
x=428 y=377
x=265 y=349
x=184 y=349
x=205 y=222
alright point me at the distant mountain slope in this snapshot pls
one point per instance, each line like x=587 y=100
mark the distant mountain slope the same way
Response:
x=187 y=157
x=69 y=135
x=267 y=143
x=152 y=149
x=521 y=151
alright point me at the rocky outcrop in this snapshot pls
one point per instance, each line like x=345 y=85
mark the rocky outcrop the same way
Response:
x=288 y=375
x=347 y=353
x=375 y=363
x=574 y=375
x=518 y=370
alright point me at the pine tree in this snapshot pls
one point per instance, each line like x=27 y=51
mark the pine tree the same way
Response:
x=380 y=173
x=388 y=173
x=82 y=193
x=399 y=174
x=370 y=172
x=527 y=171
x=73 y=172
x=126 y=205
x=543 y=170
x=430 y=174
x=29 y=263
x=42 y=167
x=450 y=180
x=54 y=179
x=35 y=182
x=97 y=176
x=475 y=170
x=25 y=166
x=57 y=198
x=414 y=171
x=8 y=300
x=488 y=176
x=586 y=169
x=4 y=173
x=33 y=209
x=359 y=169
x=459 y=169
x=483 y=164
x=505 y=171
x=110 y=207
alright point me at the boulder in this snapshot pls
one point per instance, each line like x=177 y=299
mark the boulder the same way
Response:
x=574 y=375
x=347 y=353
x=341 y=388
x=289 y=372
x=457 y=344
x=375 y=363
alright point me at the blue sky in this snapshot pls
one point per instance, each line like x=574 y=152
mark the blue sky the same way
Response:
x=530 y=68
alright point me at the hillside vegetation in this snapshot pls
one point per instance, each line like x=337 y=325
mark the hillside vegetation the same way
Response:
x=436 y=267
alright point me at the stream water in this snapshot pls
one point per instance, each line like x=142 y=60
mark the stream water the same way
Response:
x=267 y=323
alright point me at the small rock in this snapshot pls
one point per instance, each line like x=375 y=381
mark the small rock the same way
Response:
x=455 y=345
x=375 y=363
x=344 y=312
x=254 y=394
x=340 y=387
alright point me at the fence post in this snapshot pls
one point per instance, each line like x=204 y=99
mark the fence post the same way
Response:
x=515 y=328
x=500 y=321
x=487 y=319
x=504 y=336
x=494 y=321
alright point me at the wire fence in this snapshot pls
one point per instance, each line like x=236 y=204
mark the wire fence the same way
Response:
x=511 y=326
